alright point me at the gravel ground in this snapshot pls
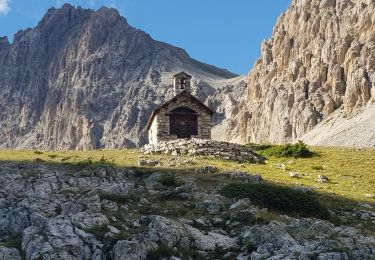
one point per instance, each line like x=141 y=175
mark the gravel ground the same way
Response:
x=335 y=130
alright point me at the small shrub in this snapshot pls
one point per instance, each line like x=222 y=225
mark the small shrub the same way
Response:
x=282 y=199
x=66 y=158
x=103 y=162
x=217 y=253
x=69 y=191
x=250 y=247
x=14 y=242
x=313 y=256
x=296 y=150
x=138 y=173
x=30 y=174
x=162 y=252
x=52 y=156
x=38 y=152
x=89 y=162
x=98 y=231
x=168 y=180
x=259 y=147
x=58 y=210
x=86 y=162
x=119 y=198
x=111 y=241
x=317 y=168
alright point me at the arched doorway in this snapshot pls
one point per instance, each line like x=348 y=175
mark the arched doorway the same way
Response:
x=183 y=122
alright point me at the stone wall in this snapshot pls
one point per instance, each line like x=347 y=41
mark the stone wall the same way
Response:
x=223 y=150
x=177 y=85
x=163 y=122
x=153 y=132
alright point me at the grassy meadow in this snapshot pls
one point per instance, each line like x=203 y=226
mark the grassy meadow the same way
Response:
x=351 y=171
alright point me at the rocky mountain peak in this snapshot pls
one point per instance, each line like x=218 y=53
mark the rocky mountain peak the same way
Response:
x=4 y=42
x=84 y=79
x=319 y=61
x=67 y=14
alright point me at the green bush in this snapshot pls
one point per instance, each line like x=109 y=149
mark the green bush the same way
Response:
x=282 y=199
x=66 y=158
x=14 y=242
x=86 y=162
x=296 y=150
x=317 y=168
x=162 y=252
x=103 y=162
x=168 y=180
x=258 y=147
x=98 y=231
x=118 y=197
x=89 y=162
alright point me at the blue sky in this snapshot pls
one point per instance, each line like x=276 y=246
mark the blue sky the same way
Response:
x=224 y=33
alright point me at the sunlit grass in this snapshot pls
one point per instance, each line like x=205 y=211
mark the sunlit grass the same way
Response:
x=351 y=171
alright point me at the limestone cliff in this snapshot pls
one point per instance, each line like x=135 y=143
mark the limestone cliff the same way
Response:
x=320 y=59
x=84 y=79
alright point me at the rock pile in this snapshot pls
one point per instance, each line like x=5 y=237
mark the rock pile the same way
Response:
x=223 y=150
x=148 y=162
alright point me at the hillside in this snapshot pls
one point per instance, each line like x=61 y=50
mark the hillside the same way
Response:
x=103 y=205
x=84 y=79
x=320 y=60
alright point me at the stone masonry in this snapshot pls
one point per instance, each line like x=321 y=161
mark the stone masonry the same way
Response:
x=223 y=150
x=159 y=129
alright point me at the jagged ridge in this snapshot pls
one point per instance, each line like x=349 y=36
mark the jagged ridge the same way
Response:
x=320 y=59
x=84 y=79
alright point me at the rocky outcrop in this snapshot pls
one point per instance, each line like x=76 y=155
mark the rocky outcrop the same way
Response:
x=9 y=253
x=172 y=233
x=320 y=58
x=97 y=211
x=287 y=239
x=84 y=79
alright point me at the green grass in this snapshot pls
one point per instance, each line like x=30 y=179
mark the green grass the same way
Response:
x=279 y=198
x=168 y=180
x=317 y=167
x=14 y=242
x=119 y=198
x=297 y=150
x=162 y=252
x=351 y=171
x=165 y=252
x=98 y=231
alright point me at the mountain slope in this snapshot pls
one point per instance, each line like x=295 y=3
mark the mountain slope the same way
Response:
x=84 y=79
x=320 y=58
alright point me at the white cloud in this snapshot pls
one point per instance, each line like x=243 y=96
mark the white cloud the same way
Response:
x=4 y=6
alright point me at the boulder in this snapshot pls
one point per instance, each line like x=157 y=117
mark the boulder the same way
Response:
x=322 y=179
x=137 y=250
x=151 y=163
x=246 y=177
x=173 y=233
x=88 y=219
x=9 y=253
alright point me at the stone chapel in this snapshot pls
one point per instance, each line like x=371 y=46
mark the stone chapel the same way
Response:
x=182 y=117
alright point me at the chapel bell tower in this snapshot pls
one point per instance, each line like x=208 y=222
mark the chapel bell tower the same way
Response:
x=181 y=82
